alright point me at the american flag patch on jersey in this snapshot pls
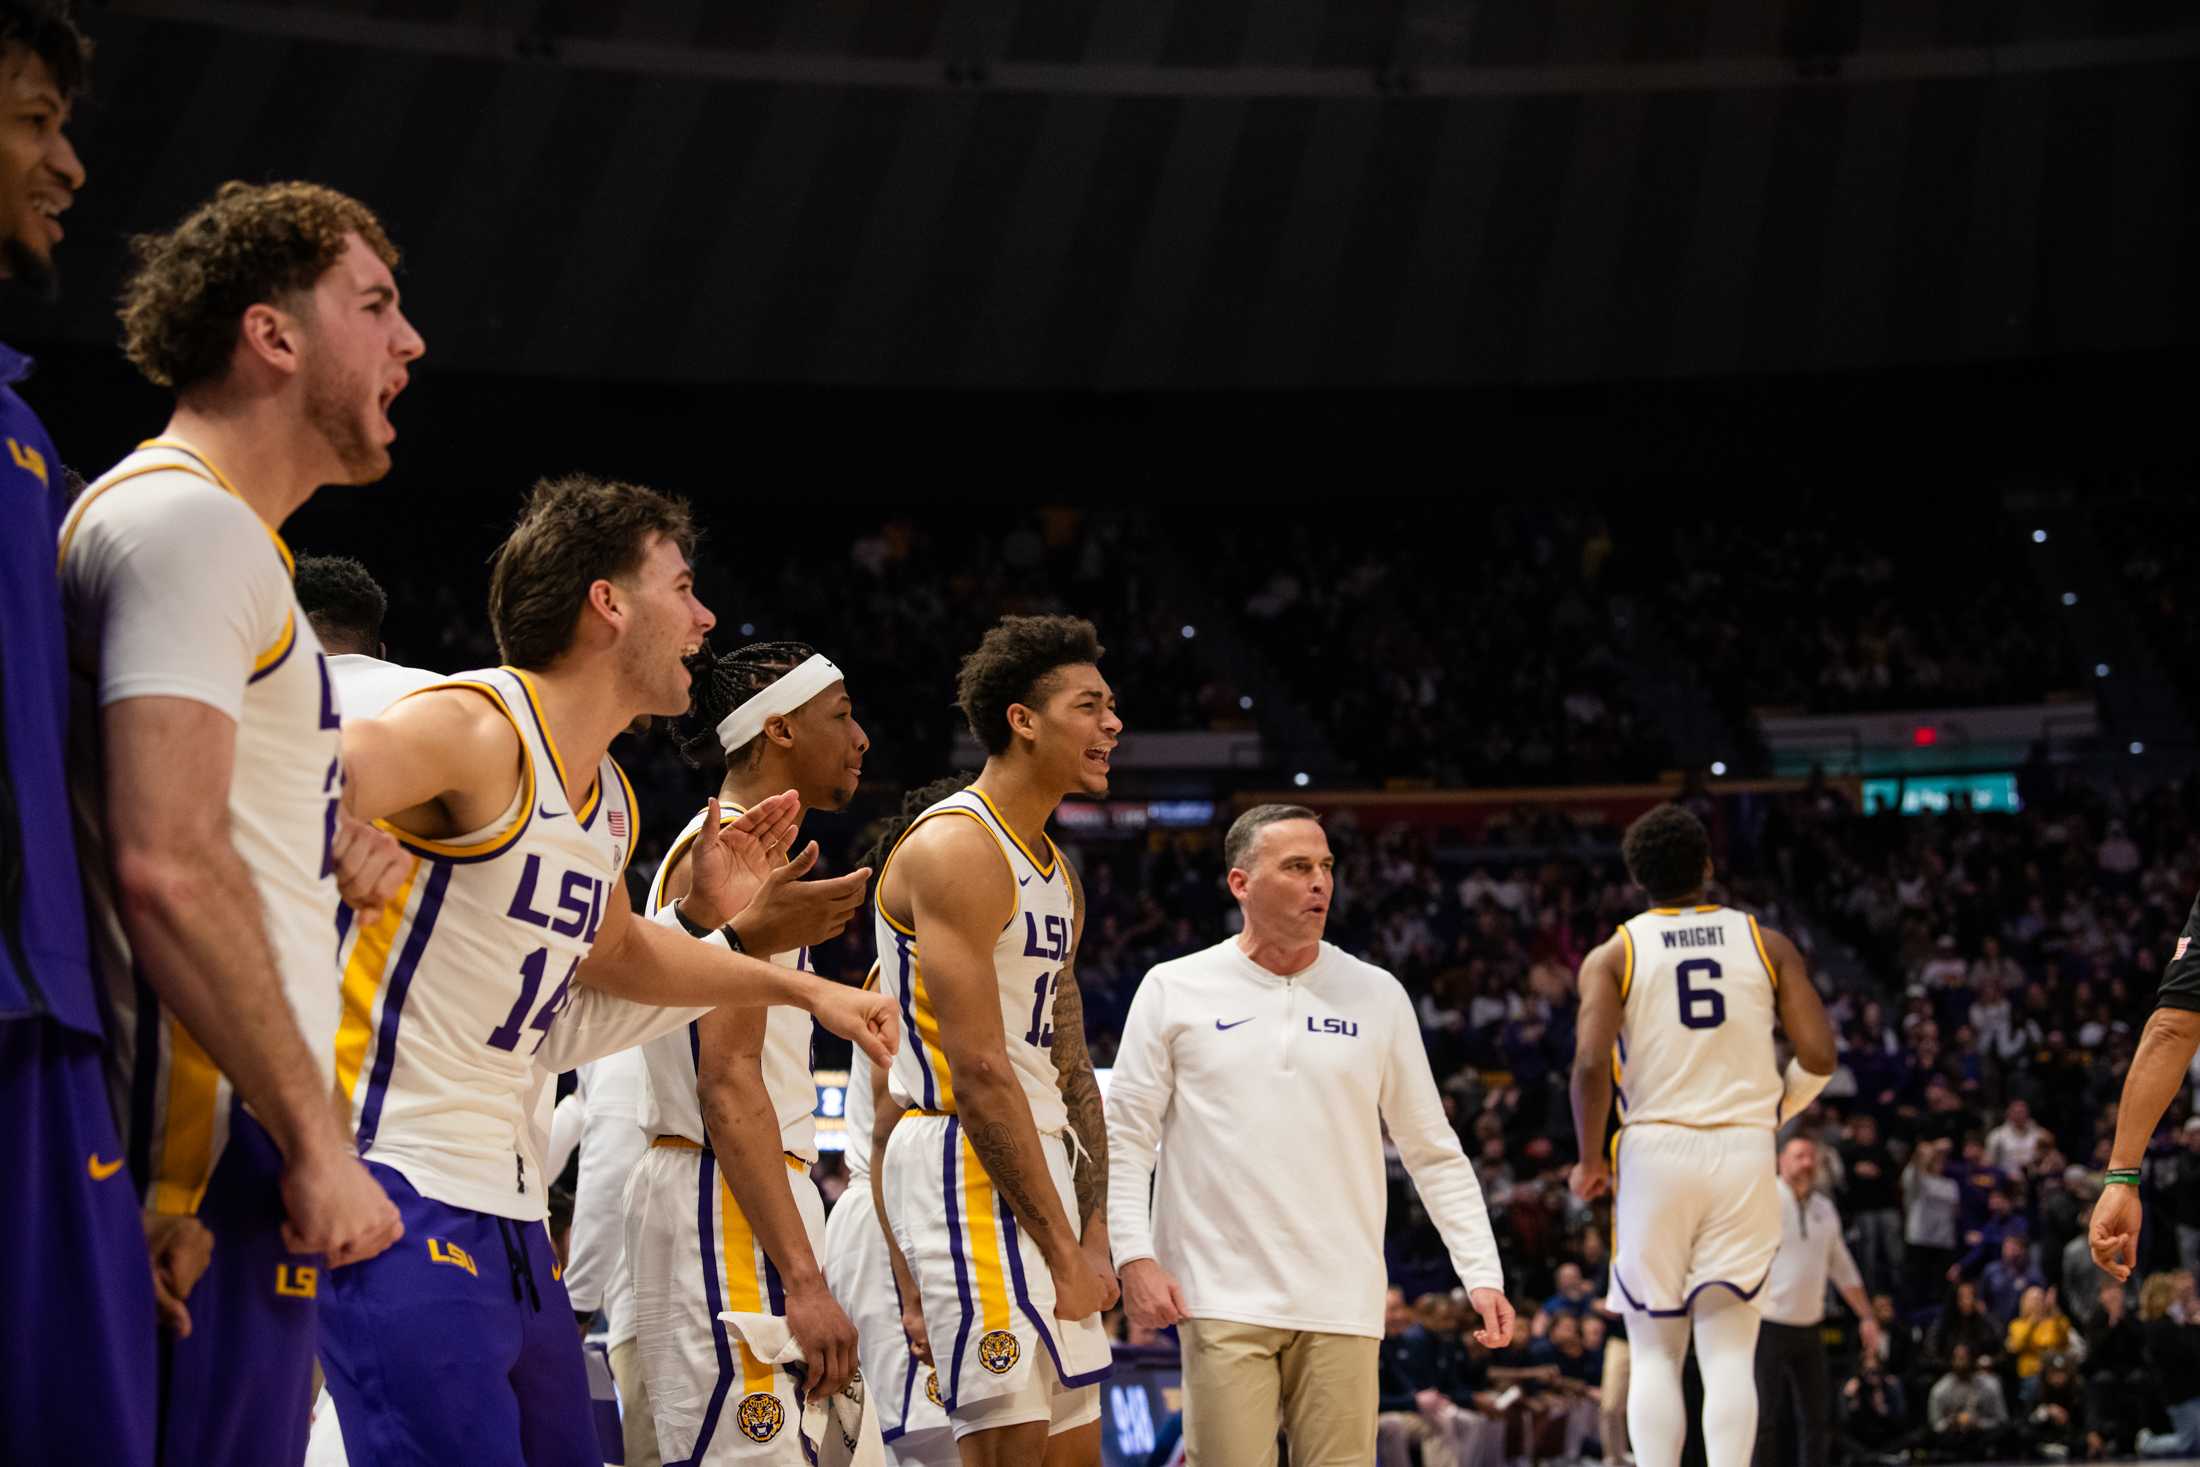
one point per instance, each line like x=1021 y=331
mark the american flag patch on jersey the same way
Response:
x=2182 y=944
x=617 y=821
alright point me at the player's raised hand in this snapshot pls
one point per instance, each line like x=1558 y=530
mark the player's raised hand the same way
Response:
x=730 y=860
x=2114 y=1236
x=333 y=1205
x=868 y=1020
x=1590 y=1178
x=181 y=1248
x=788 y=912
x=1151 y=1295
x=371 y=866
x=1497 y=1317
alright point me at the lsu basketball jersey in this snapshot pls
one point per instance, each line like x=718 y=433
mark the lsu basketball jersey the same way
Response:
x=669 y=1103
x=451 y=990
x=1697 y=997
x=857 y=1113
x=283 y=796
x=1027 y=959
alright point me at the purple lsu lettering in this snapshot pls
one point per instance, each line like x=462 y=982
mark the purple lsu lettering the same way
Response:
x=1055 y=946
x=1332 y=1026
x=580 y=900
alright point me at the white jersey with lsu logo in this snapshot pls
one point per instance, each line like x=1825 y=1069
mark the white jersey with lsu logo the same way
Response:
x=694 y=1254
x=223 y=629
x=1699 y=1090
x=451 y=990
x=988 y=1296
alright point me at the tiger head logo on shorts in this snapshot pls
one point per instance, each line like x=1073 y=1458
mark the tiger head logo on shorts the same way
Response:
x=932 y=1389
x=998 y=1351
x=760 y=1416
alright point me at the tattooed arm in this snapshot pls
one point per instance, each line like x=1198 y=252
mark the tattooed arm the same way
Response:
x=938 y=878
x=1080 y=1089
x=1081 y=1094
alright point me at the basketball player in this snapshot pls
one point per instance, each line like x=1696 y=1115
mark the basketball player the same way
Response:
x=977 y=921
x=74 y=1287
x=1677 y=1015
x=345 y=604
x=722 y=1211
x=459 y=1347
x=212 y=792
x=904 y=1391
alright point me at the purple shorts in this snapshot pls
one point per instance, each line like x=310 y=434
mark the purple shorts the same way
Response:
x=457 y=1345
x=77 y=1372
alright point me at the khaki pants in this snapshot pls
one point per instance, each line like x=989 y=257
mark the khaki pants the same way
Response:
x=636 y=1425
x=1242 y=1380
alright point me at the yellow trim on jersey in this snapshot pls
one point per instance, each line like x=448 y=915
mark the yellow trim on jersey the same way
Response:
x=679 y=847
x=594 y=796
x=744 y=1288
x=1045 y=868
x=363 y=974
x=290 y=562
x=75 y=520
x=187 y=1125
x=490 y=846
x=1626 y=973
x=880 y=884
x=1759 y=938
x=983 y=1227
x=928 y=1033
x=281 y=649
x=633 y=814
x=870 y=979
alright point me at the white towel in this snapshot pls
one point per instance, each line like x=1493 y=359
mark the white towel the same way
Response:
x=843 y=1430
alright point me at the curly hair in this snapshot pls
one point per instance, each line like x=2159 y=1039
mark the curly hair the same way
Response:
x=572 y=532
x=1015 y=663
x=251 y=244
x=724 y=683
x=1665 y=850
x=343 y=601
x=887 y=833
x=47 y=30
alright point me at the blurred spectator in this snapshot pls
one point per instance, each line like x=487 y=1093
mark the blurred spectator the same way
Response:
x=2183 y=1185
x=2012 y=1146
x=1928 y=1220
x=1963 y=1325
x=2005 y=1282
x=1966 y=1412
x=2118 y=1378
x=1875 y=1417
x=2055 y=1423
x=1872 y=1201
x=2173 y=1356
x=2039 y=1330
x=1575 y=1297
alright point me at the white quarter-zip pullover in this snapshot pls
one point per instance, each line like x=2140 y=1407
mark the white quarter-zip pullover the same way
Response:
x=1267 y=1096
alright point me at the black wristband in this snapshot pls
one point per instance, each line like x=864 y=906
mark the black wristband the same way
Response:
x=733 y=938
x=690 y=928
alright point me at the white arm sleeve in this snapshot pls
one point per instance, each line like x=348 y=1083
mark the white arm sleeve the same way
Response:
x=1799 y=1087
x=596 y=1024
x=1139 y=1092
x=1414 y=1112
x=566 y=1120
x=188 y=589
x=611 y=1144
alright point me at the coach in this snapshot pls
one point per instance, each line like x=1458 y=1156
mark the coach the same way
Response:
x=1794 y=1423
x=1264 y=1069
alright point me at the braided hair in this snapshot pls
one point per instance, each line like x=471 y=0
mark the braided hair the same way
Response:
x=722 y=684
x=888 y=832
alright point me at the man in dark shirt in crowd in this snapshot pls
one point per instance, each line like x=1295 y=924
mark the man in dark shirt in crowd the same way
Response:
x=2117 y=1376
x=2003 y=1282
x=1872 y=1201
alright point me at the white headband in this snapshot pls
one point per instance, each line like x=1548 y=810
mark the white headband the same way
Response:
x=797 y=687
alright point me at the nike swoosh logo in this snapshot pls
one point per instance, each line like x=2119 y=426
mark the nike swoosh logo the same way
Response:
x=1023 y=881
x=101 y=1170
x=546 y=814
x=1220 y=1025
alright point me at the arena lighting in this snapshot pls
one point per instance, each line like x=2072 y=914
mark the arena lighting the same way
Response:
x=2100 y=669
x=748 y=629
x=1245 y=701
x=2138 y=746
x=1924 y=736
x=1190 y=631
x=1718 y=767
x=1302 y=779
x=2039 y=537
x=2070 y=598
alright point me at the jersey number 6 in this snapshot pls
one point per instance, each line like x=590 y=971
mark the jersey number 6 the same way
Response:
x=1701 y=1008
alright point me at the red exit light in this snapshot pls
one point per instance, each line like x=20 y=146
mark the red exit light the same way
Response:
x=1924 y=736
